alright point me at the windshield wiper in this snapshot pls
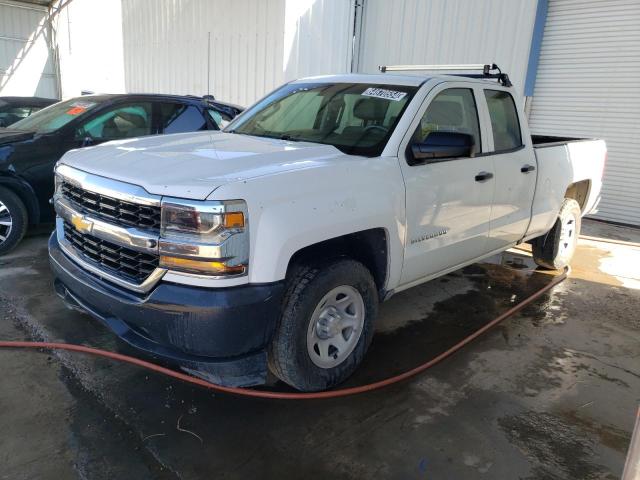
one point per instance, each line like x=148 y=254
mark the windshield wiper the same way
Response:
x=289 y=138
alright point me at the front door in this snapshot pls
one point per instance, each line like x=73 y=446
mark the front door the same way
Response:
x=448 y=202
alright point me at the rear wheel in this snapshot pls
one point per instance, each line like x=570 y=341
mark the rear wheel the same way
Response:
x=13 y=220
x=555 y=249
x=326 y=325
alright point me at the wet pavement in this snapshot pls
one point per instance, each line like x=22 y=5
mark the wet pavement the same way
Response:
x=549 y=394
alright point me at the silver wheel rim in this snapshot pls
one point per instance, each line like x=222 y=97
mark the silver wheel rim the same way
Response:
x=335 y=326
x=567 y=235
x=6 y=222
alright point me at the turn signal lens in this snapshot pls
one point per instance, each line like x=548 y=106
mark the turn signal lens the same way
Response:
x=233 y=220
x=208 y=267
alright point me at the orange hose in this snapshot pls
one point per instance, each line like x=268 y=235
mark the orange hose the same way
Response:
x=248 y=392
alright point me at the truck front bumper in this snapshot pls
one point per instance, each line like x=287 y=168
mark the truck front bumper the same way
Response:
x=217 y=334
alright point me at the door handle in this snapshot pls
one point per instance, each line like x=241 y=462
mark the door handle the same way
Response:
x=484 y=176
x=527 y=168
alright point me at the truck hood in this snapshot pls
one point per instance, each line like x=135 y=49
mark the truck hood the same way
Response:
x=193 y=165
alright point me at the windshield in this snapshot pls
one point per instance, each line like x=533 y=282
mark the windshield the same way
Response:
x=356 y=118
x=55 y=116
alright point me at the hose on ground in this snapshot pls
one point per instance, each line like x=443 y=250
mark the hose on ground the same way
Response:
x=249 y=392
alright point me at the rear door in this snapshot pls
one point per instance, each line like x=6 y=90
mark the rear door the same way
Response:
x=448 y=209
x=515 y=169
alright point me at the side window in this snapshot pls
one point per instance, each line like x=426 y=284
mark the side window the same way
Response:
x=178 y=118
x=122 y=121
x=221 y=119
x=504 y=120
x=452 y=110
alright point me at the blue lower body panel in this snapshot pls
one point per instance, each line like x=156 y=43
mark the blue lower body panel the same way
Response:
x=218 y=334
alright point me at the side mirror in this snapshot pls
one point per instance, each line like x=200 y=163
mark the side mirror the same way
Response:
x=442 y=145
x=86 y=141
x=83 y=138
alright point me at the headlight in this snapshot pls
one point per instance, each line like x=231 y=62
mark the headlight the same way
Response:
x=57 y=183
x=208 y=237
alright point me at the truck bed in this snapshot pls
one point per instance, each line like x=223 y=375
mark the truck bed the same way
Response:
x=577 y=160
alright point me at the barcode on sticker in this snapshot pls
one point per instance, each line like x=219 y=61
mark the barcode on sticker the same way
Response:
x=384 y=93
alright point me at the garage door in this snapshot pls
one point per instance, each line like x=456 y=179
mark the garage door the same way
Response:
x=588 y=86
x=26 y=61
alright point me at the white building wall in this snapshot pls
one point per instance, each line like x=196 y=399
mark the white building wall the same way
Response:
x=254 y=47
x=90 y=51
x=448 y=32
x=27 y=67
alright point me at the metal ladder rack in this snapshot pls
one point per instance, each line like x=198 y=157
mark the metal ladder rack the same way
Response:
x=485 y=68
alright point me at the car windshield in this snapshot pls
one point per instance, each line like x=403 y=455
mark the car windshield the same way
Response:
x=356 y=118
x=55 y=116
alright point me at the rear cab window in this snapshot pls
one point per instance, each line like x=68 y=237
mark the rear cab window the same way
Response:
x=505 y=123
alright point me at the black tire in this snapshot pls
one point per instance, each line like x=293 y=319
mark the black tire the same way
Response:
x=289 y=357
x=552 y=251
x=10 y=236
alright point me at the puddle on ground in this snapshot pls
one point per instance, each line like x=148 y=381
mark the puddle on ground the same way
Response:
x=553 y=446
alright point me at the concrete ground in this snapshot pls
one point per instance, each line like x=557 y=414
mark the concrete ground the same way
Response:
x=549 y=394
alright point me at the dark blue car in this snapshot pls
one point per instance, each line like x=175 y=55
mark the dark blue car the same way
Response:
x=30 y=148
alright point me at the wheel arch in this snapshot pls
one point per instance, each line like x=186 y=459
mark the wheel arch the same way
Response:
x=579 y=191
x=26 y=195
x=369 y=247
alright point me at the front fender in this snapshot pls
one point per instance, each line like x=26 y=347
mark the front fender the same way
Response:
x=292 y=210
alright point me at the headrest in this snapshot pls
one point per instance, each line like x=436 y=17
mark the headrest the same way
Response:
x=370 y=109
x=133 y=118
x=445 y=112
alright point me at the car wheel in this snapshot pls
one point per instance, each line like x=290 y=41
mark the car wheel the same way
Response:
x=555 y=249
x=326 y=325
x=13 y=220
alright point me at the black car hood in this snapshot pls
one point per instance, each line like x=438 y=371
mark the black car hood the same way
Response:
x=8 y=135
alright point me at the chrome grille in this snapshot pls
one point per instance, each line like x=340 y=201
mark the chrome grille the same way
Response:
x=122 y=261
x=112 y=209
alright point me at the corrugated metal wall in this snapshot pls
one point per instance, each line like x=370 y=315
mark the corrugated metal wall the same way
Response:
x=27 y=67
x=254 y=45
x=90 y=51
x=588 y=85
x=448 y=31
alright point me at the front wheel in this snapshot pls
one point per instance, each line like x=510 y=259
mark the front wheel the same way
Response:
x=13 y=220
x=326 y=325
x=555 y=249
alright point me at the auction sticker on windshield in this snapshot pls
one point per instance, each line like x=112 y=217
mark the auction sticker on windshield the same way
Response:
x=79 y=107
x=384 y=93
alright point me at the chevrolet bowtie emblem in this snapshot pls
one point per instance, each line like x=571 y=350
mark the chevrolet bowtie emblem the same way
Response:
x=81 y=224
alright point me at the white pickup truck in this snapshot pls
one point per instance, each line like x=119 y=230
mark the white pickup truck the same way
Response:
x=269 y=245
